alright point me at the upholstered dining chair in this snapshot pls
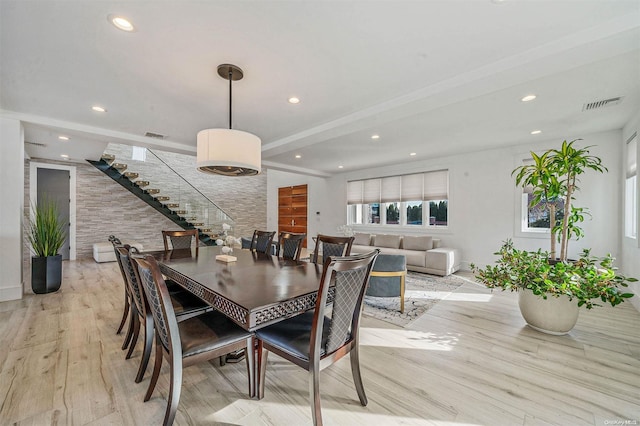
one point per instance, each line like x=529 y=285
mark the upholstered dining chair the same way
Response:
x=127 y=297
x=314 y=340
x=262 y=241
x=184 y=304
x=185 y=239
x=290 y=245
x=185 y=343
x=330 y=246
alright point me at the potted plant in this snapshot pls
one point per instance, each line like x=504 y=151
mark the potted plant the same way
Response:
x=554 y=176
x=46 y=234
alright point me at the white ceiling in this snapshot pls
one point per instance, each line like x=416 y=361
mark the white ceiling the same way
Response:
x=430 y=77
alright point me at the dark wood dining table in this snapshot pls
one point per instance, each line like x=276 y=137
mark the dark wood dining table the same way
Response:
x=254 y=291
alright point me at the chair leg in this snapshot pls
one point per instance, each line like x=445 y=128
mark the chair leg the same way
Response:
x=314 y=393
x=136 y=333
x=146 y=353
x=402 y=293
x=127 y=338
x=357 y=377
x=262 y=368
x=223 y=360
x=125 y=313
x=174 y=391
x=250 y=358
x=156 y=370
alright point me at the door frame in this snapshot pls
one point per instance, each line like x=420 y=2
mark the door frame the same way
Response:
x=33 y=197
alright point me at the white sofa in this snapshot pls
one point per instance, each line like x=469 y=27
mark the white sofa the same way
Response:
x=103 y=252
x=423 y=253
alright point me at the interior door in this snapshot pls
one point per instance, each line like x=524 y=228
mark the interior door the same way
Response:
x=292 y=210
x=53 y=185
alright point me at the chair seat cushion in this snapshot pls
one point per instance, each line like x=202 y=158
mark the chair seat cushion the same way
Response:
x=184 y=302
x=293 y=335
x=208 y=332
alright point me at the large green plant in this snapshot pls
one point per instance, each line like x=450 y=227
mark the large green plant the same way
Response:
x=45 y=229
x=552 y=176
x=587 y=280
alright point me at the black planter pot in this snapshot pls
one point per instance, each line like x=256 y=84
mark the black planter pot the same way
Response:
x=46 y=274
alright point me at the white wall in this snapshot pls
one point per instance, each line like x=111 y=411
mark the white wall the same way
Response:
x=11 y=196
x=482 y=204
x=630 y=257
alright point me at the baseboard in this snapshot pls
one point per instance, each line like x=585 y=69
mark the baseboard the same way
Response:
x=10 y=293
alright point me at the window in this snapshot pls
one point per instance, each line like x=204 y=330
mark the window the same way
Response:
x=631 y=190
x=535 y=219
x=399 y=200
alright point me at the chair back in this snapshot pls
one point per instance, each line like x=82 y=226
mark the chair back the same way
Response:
x=290 y=245
x=164 y=317
x=331 y=247
x=262 y=240
x=350 y=275
x=117 y=243
x=184 y=239
x=124 y=257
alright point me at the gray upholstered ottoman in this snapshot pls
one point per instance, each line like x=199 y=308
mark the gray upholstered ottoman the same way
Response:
x=387 y=277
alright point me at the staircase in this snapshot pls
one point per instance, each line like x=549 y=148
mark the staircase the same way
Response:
x=152 y=180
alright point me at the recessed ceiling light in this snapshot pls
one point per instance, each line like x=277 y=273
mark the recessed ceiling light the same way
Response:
x=98 y=108
x=412 y=154
x=63 y=138
x=298 y=156
x=528 y=98
x=64 y=155
x=375 y=137
x=294 y=100
x=536 y=132
x=341 y=167
x=121 y=23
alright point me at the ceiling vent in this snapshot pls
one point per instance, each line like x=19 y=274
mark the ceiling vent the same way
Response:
x=154 y=135
x=601 y=104
x=35 y=144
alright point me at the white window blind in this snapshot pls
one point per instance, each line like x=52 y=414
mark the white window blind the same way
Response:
x=412 y=187
x=429 y=186
x=390 y=189
x=371 y=192
x=436 y=185
x=354 y=192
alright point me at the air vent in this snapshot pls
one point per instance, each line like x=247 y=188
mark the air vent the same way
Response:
x=35 y=144
x=154 y=135
x=601 y=104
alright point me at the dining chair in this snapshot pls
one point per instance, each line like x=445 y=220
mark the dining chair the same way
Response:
x=127 y=297
x=290 y=244
x=330 y=246
x=314 y=340
x=262 y=241
x=187 y=238
x=184 y=304
x=185 y=343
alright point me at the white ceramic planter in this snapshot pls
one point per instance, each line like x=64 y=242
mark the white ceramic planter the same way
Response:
x=553 y=315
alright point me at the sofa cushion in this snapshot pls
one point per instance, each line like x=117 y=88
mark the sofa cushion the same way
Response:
x=390 y=241
x=417 y=243
x=362 y=239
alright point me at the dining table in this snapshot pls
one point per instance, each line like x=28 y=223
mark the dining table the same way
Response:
x=254 y=291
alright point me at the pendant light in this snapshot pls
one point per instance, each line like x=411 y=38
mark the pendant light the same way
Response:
x=229 y=152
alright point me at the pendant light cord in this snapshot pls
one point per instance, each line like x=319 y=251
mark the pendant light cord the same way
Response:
x=230 y=79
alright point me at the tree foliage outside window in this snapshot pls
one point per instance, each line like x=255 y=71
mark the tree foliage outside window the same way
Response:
x=414 y=212
x=438 y=214
x=393 y=214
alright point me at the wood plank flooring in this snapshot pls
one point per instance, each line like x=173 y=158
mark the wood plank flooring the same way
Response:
x=470 y=360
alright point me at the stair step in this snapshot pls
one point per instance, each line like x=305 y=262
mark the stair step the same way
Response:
x=193 y=218
x=172 y=205
x=163 y=198
x=108 y=158
x=121 y=167
x=180 y=212
x=198 y=224
x=142 y=183
x=152 y=191
x=132 y=175
x=205 y=230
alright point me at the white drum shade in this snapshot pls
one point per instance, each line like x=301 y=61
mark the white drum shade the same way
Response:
x=229 y=152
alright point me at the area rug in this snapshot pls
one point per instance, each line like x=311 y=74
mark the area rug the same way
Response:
x=422 y=292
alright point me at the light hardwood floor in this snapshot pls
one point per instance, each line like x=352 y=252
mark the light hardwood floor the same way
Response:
x=468 y=361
